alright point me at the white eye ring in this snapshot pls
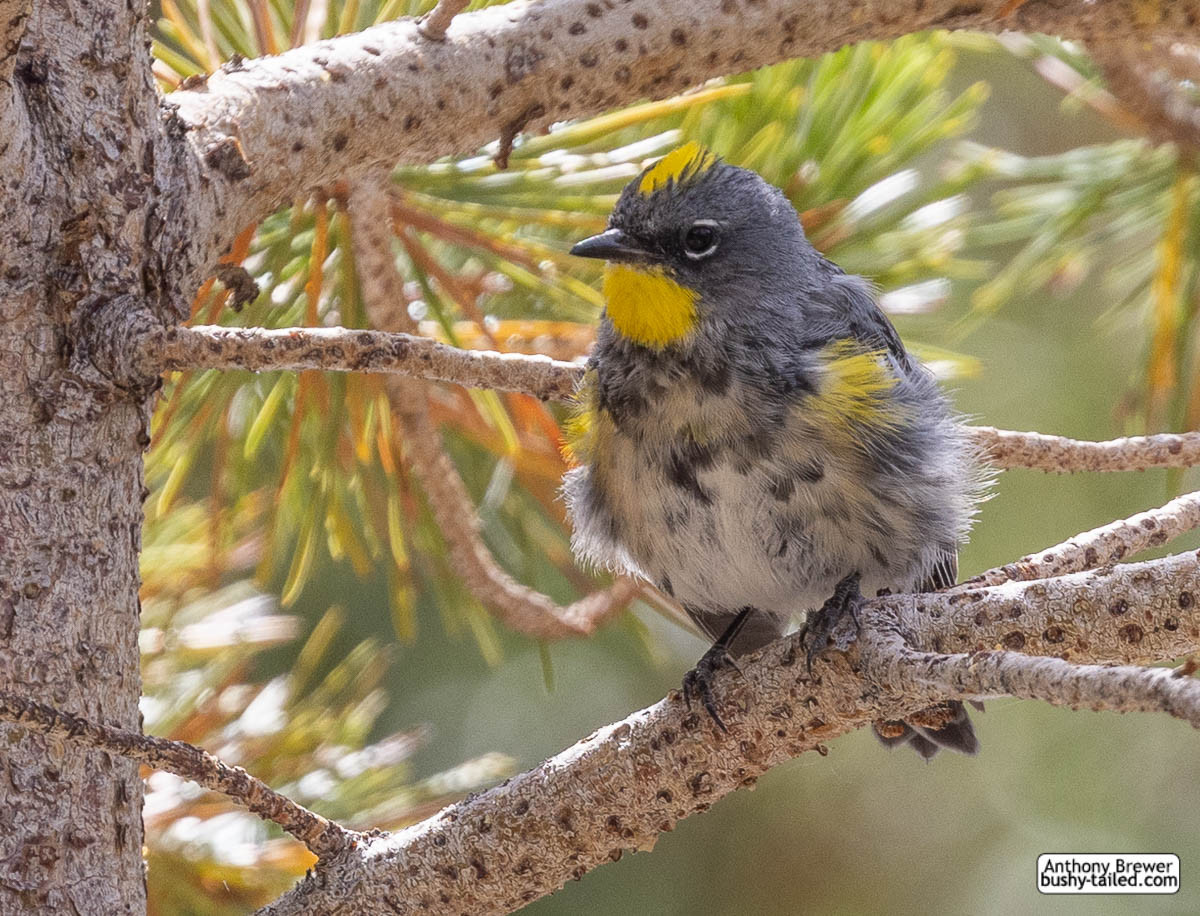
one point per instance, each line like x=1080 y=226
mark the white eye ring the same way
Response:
x=697 y=234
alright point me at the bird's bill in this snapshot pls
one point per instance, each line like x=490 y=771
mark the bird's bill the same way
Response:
x=611 y=245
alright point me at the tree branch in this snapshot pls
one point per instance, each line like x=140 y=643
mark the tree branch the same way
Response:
x=323 y=837
x=433 y=24
x=1139 y=73
x=347 y=350
x=346 y=107
x=622 y=786
x=1124 y=688
x=1006 y=448
x=516 y=605
x=1101 y=546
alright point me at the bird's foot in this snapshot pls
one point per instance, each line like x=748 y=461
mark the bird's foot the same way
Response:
x=835 y=625
x=698 y=682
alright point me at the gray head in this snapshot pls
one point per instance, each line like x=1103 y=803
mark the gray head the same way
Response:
x=719 y=232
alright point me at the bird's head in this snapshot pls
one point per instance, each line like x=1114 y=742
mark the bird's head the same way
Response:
x=693 y=239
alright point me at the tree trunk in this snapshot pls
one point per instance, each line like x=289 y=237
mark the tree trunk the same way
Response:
x=83 y=243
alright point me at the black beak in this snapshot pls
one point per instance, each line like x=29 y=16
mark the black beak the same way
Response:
x=613 y=245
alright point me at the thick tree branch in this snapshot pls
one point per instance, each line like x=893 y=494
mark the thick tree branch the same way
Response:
x=1101 y=546
x=345 y=107
x=618 y=789
x=516 y=605
x=323 y=837
x=96 y=219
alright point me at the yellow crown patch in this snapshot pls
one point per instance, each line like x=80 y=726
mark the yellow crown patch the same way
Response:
x=680 y=165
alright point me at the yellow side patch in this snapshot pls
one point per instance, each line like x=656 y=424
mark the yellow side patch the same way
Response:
x=854 y=392
x=588 y=428
x=648 y=307
x=679 y=165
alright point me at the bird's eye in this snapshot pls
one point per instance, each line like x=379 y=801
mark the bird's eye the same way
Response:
x=701 y=239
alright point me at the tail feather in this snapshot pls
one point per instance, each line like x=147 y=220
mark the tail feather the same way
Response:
x=923 y=746
x=946 y=725
x=955 y=735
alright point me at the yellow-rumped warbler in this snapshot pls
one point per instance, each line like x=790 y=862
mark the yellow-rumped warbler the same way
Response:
x=752 y=436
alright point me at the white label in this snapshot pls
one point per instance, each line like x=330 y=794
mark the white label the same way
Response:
x=1107 y=873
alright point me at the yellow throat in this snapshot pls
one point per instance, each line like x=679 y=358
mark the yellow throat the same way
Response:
x=648 y=307
x=644 y=303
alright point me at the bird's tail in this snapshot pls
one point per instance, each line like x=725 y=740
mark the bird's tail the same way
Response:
x=946 y=725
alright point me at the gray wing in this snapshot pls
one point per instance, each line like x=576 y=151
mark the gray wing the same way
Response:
x=844 y=305
x=849 y=308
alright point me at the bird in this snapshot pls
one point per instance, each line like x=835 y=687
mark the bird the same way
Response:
x=751 y=435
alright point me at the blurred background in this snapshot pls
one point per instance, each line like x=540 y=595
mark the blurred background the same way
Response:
x=306 y=614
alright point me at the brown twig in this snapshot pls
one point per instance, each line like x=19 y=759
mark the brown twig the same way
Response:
x=349 y=350
x=322 y=836
x=516 y=605
x=1138 y=72
x=433 y=24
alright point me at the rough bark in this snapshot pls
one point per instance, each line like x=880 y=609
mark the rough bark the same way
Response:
x=1101 y=546
x=85 y=234
x=348 y=106
x=620 y=787
x=14 y=15
x=1121 y=688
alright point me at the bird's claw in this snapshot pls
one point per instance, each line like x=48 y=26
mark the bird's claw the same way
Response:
x=835 y=625
x=698 y=682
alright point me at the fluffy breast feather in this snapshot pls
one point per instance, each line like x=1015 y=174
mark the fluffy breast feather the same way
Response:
x=746 y=495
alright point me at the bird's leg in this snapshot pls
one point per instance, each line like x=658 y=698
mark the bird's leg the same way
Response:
x=828 y=628
x=698 y=681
